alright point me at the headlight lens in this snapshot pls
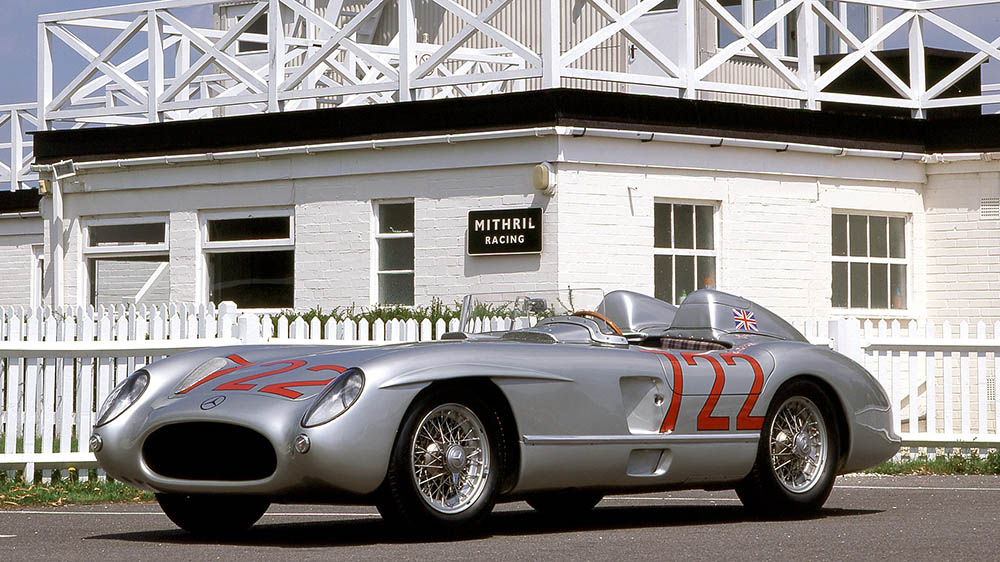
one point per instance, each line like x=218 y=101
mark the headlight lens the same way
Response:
x=213 y=365
x=123 y=396
x=336 y=398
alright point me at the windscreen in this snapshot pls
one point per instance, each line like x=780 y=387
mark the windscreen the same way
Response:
x=498 y=312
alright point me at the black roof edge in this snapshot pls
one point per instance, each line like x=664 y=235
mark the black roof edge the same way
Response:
x=539 y=108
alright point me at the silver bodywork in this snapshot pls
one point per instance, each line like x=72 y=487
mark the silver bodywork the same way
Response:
x=591 y=409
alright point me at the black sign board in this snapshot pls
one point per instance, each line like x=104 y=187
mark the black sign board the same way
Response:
x=505 y=231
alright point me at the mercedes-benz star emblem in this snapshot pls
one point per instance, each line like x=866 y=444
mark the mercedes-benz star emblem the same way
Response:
x=212 y=402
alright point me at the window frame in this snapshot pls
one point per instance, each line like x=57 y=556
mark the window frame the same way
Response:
x=262 y=244
x=377 y=235
x=907 y=261
x=125 y=250
x=695 y=252
x=207 y=248
x=92 y=253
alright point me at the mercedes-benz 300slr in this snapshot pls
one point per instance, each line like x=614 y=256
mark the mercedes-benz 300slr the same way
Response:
x=579 y=396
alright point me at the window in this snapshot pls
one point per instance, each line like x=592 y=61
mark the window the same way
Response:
x=869 y=261
x=259 y=25
x=394 y=252
x=684 y=252
x=127 y=260
x=782 y=36
x=250 y=257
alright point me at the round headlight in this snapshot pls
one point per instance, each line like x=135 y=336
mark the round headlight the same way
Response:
x=336 y=398
x=123 y=396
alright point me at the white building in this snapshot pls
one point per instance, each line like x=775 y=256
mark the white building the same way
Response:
x=813 y=213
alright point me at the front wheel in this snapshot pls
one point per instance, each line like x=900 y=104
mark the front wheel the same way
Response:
x=213 y=515
x=446 y=464
x=797 y=455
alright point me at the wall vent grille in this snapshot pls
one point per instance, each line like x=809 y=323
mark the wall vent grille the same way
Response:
x=989 y=208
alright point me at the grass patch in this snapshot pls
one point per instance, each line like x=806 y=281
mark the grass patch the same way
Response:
x=16 y=493
x=951 y=464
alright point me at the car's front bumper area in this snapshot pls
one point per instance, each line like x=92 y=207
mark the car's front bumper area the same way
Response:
x=246 y=445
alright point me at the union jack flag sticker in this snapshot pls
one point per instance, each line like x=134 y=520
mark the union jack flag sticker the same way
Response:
x=744 y=320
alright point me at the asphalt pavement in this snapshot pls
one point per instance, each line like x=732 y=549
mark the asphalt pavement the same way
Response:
x=867 y=517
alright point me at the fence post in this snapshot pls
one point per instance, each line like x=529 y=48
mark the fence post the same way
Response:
x=227 y=319
x=248 y=329
x=845 y=338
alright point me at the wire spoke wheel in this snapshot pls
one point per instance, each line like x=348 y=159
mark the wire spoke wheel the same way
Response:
x=450 y=458
x=799 y=445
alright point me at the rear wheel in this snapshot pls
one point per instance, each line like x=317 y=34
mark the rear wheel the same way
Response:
x=564 y=503
x=446 y=464
x=213 y=515
x=797 y=455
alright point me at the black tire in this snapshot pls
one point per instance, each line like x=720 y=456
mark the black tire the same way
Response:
x=416 y=507
x=213 y=515
x=806 y=464
x=565 y=503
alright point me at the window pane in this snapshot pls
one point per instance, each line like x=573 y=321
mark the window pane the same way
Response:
x=761 y=9
x=859 y=235
x=253 y=279
x=260 y=228
x=663 y=278
x=116 y=234
x=684 y=277
x=395 y=253
x=395 y=217
x=898 y=285
x=877 y=237
x=121 y=280
x=395 y=288
x=661 y=225
x=897 y=236
x=704 y=227
x=258 y=26
x=839 y=285
x=706 y=272
x=684 y=226
x=839 y=235
x=880 y=285
x=726 y=34
x=859 y=285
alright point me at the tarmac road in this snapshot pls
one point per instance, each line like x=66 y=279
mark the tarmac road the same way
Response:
x=867 y=518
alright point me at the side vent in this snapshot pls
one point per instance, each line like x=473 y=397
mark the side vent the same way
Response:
x=989 y=208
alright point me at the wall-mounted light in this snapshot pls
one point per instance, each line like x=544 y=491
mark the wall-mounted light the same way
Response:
x=544 y=178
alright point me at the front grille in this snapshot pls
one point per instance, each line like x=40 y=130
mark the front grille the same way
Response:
x=209 y=451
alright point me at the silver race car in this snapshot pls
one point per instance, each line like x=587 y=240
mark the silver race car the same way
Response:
x=583 y=395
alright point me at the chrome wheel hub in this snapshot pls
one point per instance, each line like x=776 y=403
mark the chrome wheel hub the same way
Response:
x=450 y=458
x=799 y=444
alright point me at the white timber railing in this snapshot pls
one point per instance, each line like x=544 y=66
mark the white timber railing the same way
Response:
x=151 y=62
x=156 y=61
x=57 y=367
x=16 y=145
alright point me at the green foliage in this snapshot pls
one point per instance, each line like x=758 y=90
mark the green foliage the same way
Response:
x=435 y=311
x=950 y=464
x=66 y=491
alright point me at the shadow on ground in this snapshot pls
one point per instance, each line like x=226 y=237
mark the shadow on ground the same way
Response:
x=372 y=530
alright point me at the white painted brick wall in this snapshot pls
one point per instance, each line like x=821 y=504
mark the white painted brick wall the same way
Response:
x=15 y=268
x=963 y=251
x=773 y=238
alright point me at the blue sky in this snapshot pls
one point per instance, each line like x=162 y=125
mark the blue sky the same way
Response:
x=19 y=18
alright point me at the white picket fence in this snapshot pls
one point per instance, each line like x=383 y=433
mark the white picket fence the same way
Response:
x=56 y=368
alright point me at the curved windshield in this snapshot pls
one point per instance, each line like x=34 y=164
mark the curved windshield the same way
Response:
x=499 y=312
